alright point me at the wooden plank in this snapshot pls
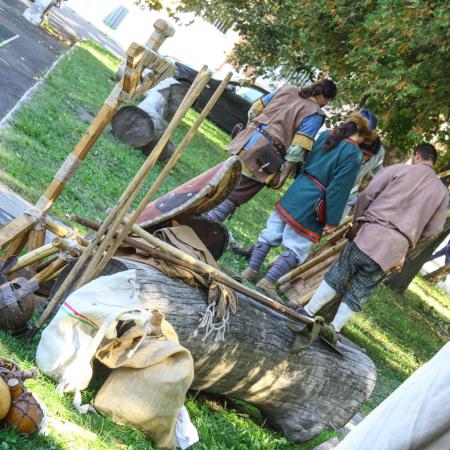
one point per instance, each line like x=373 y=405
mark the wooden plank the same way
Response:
x=36 y=239
x=15 y=228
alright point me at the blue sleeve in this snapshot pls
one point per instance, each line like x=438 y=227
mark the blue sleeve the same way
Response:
x=266 y=99
x=311 y=125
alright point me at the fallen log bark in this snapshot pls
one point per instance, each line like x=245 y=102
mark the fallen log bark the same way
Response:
x=301 y=394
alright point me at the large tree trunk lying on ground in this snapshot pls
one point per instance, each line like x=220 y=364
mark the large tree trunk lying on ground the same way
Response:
x=302 y=394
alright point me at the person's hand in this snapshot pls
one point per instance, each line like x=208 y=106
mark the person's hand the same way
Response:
x=287 y=169
x=328 y=229
x=352 y=231
x=280 y=182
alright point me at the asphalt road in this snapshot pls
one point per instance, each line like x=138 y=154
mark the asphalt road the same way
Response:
x=24 y=60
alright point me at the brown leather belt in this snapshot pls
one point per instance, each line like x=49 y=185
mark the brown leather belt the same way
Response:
x=272 y=140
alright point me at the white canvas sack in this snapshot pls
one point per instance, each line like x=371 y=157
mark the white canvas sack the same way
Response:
x=88 y=315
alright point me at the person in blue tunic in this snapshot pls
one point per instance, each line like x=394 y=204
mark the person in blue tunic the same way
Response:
x=282 y=127
x=314 y=202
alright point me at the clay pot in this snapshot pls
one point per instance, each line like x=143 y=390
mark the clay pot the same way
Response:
x=25 y=414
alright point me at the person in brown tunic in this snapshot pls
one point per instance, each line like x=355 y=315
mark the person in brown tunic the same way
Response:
x=282 y=126
x=402 y=204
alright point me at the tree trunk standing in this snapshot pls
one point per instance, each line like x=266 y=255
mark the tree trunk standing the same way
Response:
x=302 y=394
x=416 y=259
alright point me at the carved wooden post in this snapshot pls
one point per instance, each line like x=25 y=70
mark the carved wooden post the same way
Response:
x=135 y=81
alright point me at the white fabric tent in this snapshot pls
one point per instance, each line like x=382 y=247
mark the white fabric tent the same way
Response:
x=415 y=416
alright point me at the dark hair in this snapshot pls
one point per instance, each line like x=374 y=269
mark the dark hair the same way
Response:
x=426 y=151
x=338 y=134
x=324 y=87
x=372 y=147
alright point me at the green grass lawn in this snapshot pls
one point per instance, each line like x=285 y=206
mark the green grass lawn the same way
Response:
x=400 y=332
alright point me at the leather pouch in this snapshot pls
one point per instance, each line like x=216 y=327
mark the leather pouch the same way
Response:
x=268 y=159
x=320 y=211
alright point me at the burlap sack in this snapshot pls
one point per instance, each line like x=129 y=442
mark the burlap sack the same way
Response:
x=147 y=389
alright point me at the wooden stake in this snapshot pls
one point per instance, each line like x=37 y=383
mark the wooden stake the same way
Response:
x=36 y=239
x=128 y=195
x=43 y=264
x=133 y=188
x=47 y=250
x=50 y=270
x=35 y=256
x=64 y=232
x=161 y=177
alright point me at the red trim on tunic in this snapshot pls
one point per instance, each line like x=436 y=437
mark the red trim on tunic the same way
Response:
x=297 y=227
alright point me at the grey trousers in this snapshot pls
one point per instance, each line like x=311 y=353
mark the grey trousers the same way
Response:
x=356 y=267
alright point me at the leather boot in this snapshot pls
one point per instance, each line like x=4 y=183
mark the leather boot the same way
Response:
x=250 y=275
x=267 y=288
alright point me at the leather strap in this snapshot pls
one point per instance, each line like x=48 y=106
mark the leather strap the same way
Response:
x=304 y=332
x=272 y=140
x=316 y=182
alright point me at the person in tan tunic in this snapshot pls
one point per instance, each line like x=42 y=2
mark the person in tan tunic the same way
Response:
x=282 y=126
x=402 y=204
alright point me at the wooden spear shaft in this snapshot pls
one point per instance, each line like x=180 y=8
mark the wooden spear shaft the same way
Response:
x=138 y=245
x=219 y=275
x=35 y=256
x=161 y=177
x=116 y=216
x=215 y=274
x=126 y=197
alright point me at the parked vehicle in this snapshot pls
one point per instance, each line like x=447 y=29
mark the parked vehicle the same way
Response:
x=232 y=106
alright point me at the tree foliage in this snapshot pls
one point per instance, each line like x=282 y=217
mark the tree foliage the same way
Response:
x=395 y=52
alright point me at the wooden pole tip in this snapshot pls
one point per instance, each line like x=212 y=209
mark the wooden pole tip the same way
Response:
x=164 y=27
